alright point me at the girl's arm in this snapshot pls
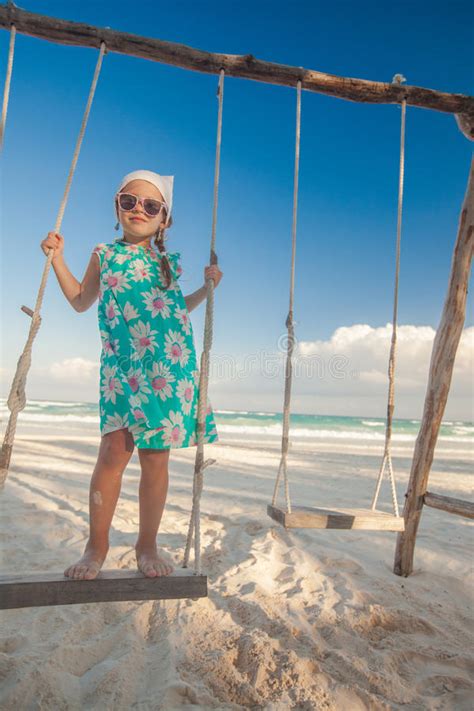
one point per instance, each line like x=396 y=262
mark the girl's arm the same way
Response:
x=194 y=299
x=81 y=295
x=210 y=272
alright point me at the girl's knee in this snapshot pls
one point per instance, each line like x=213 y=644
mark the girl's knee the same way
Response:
x=147 y=453
x=153 y=459
x=117 y=446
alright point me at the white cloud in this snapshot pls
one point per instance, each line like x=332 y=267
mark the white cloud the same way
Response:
x=74 y=369
x=73 y=379
x=364 y=353
x=348 y=374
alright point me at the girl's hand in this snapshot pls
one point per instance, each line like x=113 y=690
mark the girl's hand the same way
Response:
x=213 y=272
x=53 y=240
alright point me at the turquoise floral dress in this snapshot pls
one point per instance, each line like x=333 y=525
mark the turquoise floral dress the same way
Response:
x=149 y=378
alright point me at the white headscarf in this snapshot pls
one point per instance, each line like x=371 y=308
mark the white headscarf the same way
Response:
x=164 y=183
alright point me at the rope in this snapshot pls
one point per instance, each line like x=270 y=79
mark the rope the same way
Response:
x=16 y=399
x=6 y=89
x=200 y=464
x=289 y=321
x=387 y=456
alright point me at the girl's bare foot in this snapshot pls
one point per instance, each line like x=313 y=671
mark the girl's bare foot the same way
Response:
x=89 y=565
x=151 y=563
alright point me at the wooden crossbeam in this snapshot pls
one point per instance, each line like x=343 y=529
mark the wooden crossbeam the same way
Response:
x=449 y=504
x=247 y=66
x=341 y=518
x=40 y=589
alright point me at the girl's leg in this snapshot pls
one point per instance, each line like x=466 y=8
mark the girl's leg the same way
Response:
x=152 y=493
x=115 y=451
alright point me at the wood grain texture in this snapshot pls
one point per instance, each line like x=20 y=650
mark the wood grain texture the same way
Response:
x=449 y=504
x=46 y=589
x=443 y=356
x=338 y=518
x=247 y=66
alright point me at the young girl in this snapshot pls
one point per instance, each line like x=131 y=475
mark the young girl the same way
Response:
x=149 y=377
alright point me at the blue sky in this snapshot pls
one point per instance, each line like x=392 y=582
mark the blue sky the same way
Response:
x=147 y=115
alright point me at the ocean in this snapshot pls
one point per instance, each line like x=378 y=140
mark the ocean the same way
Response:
x=262 y=426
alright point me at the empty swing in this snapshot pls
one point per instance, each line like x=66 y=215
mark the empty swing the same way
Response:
x=40 y=589
x=340 y=518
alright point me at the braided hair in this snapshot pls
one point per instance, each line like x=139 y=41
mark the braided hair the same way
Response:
x=159 y=241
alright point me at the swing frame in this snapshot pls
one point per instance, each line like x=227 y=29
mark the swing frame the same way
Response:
x=60 y=31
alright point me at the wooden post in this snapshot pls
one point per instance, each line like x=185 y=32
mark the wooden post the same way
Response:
x=441 y=369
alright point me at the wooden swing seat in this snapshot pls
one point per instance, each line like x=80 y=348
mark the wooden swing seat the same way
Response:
x=40 y=589
x=342 y=518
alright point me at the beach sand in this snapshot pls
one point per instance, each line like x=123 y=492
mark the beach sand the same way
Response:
x=295 y=619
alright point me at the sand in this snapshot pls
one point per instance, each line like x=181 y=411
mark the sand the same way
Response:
x=294 y=619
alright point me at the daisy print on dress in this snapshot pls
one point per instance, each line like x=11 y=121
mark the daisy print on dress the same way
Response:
x=141 y=271
x=176 y=349
x=99 y=249
x=111 y=385
x=115 y=422
x=112 y=313
x=129 y=312
x=138 y=384
x=108 y=252
x=136 y=407
x=122 y=258
x=183 y=317
x=115 y=281
x=185 y=392
x=173 y=433
x=157 y=302
x=110 y=345
x=143 y=338
x=149 y=380
x=161 y=379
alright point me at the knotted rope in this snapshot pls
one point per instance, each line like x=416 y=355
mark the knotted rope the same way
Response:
x=200 y=464
x=387 y=456
x=17 y=399
x=289 y=320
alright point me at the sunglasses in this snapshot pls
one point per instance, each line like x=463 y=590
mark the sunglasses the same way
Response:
x=128 y=202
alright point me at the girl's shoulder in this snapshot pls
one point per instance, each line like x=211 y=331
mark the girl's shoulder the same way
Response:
x=104 y=251
x=102 y=247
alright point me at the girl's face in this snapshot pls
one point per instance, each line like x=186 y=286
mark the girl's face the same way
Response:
x=136 y=223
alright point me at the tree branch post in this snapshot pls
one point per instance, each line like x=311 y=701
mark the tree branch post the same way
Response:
x=441 y=369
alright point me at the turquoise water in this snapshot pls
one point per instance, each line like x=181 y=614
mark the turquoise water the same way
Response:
x=338 y=427
x=256 y=424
